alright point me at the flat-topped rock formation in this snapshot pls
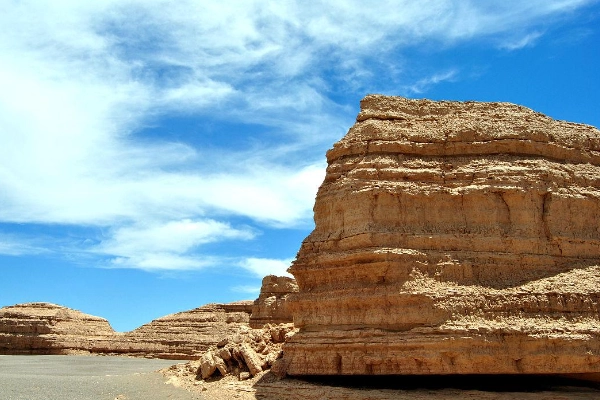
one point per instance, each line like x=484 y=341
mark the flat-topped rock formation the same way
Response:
x=44 y=328
x=271 y=305
x=188 y=334
x=452 y=238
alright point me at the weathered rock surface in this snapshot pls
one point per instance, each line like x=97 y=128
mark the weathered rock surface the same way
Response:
x=271 y=305
x=186 y=335
x=44 y=328
x=244 y=353
x=452 y=238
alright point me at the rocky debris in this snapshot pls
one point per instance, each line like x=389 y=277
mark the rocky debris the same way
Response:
x=452 y=238
x=271 y=306
x=45 y=328
x=244 y=354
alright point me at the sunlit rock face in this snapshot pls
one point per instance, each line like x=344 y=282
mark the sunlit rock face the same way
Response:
x=452 y=238
x=45 y=328
x=271 y=305
x=186 y=334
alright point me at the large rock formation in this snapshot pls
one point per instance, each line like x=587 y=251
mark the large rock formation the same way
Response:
x=452 y=238
x=271 y=305
x=44 y=328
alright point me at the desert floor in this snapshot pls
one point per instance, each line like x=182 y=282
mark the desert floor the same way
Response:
x=119 y=378
x=85 y=378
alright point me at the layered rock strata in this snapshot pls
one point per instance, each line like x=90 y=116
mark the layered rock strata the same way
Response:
x=271 y=305
x=452 y=238
x=45 y=328
x=186 y=335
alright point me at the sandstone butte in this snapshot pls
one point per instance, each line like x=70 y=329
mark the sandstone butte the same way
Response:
x=271 y=305
x=44 y=328
x=452 y=238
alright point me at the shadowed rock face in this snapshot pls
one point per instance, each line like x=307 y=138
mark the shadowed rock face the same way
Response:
x=452 y=238
x=271 y=305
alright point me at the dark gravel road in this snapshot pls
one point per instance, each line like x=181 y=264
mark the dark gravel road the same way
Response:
x=85 y=378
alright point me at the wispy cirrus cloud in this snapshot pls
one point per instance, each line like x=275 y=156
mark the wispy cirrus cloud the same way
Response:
x=84 y=81
x=527 y=40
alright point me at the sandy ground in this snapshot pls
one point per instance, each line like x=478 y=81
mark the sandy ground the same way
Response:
x=86 y=378
x=119 y=378
x=267 y=386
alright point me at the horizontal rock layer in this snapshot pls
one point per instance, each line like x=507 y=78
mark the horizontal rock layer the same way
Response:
x=186 y=335
x=271 y=305
x=440 y=226
x=45 y=328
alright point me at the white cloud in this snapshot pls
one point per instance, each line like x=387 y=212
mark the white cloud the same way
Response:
x=525 y=41
x=170 y=245
x=423 y=84
x=11 y=245
x=80 y=81
x=266 y=266
x=250 y=290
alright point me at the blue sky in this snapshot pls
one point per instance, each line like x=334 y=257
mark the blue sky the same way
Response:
x=156 y=156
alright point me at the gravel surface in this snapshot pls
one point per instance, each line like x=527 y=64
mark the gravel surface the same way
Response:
x=86 y=378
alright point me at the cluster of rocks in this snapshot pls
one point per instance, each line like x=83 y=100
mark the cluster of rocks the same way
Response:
x=245 y=353
x=452 y=238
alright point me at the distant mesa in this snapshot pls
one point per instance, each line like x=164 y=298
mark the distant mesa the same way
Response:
x=452 y=238
x=45 y=328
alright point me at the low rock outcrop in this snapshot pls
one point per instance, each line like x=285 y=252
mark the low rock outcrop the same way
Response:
x=44 y=328
x=186 y=335
x=452 y=238
x=271 y=305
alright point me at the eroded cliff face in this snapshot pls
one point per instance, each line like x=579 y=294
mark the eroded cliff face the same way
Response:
x=271 y=305
x=45 y=328
x=452 y=237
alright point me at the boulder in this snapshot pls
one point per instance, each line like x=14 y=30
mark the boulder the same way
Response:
x=252 y=359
